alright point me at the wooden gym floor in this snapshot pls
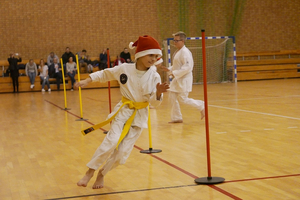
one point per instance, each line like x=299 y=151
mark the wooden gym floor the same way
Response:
x=254 y=141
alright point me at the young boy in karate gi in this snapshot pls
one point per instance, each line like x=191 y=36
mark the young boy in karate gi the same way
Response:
x=182 y=79
x=140 y=85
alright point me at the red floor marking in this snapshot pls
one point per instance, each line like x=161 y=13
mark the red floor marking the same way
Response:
x=100 y=100
x=225 y=192
x=190 y=174
x=72 y=114
x=174 y=166
x=164 y=161
x=262 y=178
x=170 y=164
x=95 y=99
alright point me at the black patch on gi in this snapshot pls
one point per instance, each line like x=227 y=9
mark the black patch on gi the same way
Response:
x=123 y=78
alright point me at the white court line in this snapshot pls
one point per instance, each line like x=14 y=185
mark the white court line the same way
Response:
x=245 y=131
x=269 y=129
x=260 y=98
x=261 y=113
x=293 y=127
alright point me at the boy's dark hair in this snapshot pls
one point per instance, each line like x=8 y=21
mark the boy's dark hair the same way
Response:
x=83 y=50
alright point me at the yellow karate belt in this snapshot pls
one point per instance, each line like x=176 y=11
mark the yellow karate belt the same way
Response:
x=131 y=105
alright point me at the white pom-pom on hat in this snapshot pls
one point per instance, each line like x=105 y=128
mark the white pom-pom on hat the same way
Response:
x=131 y=45
x=159 y=60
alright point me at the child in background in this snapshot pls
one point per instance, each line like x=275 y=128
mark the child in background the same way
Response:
x=31 y=71
x=181 y=76
x=71 y=70
x=44 y=75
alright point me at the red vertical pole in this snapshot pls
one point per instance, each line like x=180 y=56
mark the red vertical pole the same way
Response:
x=206 y=104
x=209 y=179
x=108 y=66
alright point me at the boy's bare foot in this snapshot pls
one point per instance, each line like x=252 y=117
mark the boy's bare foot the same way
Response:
x=202 y=114
x=99 y=183
x=87 y=177
x=177 y=121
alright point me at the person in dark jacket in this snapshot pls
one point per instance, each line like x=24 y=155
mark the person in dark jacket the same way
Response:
x=126 y=55
x=56 y=72
x=103 y=60
x=13 y=60
x=65 y=58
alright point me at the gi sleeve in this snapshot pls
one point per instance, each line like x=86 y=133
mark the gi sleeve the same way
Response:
x=186 y=68
x=108 y=74
x=153 y=96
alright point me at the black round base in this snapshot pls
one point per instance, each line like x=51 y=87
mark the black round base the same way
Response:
x=209 y=180
x=151 y=151
x=81 y=119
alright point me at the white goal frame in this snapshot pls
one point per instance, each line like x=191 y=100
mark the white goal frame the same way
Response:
x=208 y=38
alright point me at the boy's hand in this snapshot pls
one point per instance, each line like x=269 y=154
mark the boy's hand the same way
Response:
x=163 y=68
x=79 y=84
x=82 y=83
x=161 y=88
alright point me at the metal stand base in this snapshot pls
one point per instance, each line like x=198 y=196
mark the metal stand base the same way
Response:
x=209 y=180
x=150 y=150
x=81 y=119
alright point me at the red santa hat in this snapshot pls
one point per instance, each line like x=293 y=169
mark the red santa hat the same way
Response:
x=145 y=45
x=159 y=60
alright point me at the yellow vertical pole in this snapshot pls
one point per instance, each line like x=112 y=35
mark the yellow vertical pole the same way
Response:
x=63 y=76
x=150 y=150
x=149 y=129
x=80 y=100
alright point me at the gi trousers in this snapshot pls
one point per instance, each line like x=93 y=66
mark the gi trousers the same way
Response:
x=107 y=150
x=182 y=97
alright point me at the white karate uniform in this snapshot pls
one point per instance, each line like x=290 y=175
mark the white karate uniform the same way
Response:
x=182 y=83
x=137 y=90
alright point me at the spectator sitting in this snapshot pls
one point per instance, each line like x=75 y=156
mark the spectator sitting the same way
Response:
x=50 y=59
x=89 y=68
x=44 y=75
x=82 y=59
x=126 y=55
x=103 y=60
x=65 y=57
x=71 y=70
x=119 y=61
x=31 y=71
x=57 y=72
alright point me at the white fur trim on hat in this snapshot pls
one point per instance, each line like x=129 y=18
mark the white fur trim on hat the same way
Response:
x=147 y=52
